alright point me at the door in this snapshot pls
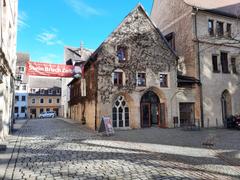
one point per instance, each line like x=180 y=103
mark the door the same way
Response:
x=187 y=114
x=145 y=114
x=162 y=115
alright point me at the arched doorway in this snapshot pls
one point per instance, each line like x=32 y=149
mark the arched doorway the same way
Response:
x=120 y=113
x=152 y=111
x=226 y=102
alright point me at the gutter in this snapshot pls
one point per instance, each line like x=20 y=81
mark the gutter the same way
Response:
x=199 y=66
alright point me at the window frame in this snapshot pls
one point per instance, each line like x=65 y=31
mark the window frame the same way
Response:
x=23 y=109
x=120 y=74
x=42 y=91
x=211 y=29
x=217 y=64
x=33 y=100
x=220 y=28
x=224 y=62
x=50 y=91
x=16 y=98
x=23 y=97
x=229 y=30
x=58 y=91
x=145 y=79
x=167 y=81
x=42 y=101
x=125 y=53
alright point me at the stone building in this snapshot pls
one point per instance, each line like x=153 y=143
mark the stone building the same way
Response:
x=76 y=57
x=131 y=78
x=8 y=34
x=205 y=35
x=21 y=86
x=44 y=95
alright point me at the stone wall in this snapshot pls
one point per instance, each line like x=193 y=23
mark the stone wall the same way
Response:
x=147 y=52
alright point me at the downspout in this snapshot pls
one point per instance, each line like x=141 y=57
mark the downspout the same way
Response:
x=199 y=68
x=96 y=94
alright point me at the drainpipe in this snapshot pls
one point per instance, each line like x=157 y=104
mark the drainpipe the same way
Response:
x=199 y=67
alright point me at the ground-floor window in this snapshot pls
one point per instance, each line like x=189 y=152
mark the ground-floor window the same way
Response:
x=120 y=113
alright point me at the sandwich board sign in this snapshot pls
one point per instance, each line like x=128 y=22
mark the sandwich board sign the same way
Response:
x=106 y=126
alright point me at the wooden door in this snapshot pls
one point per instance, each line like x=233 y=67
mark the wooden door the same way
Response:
x=145 y=114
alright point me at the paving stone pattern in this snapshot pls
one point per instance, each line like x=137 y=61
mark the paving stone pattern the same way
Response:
x=57 y=149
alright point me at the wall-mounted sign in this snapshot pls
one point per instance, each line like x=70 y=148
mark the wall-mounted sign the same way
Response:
x=50 y=70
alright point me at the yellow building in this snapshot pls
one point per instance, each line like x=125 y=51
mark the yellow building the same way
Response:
x=42 y=99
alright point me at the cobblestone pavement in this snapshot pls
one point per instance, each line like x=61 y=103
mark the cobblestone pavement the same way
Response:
x=56 y=149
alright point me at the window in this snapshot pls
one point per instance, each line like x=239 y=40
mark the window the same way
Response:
x=58 y=91
x=41 y=91
x=211 y=27
x=33 y=90
x=41 y=100
x=215 y=63
x=229 y=30
x=33 y=101
x=24 y=87
x=48 y=109
x=17 y=87
x=21 y=69
x=50 y=91
x=16 y=98
x=141 y=79
x=234 y=67
x=23 y=109
x=219 y=28
x=19 y=77
x=58 y=100
x=171 y=40
x=16 y=110
x=118 y=78
x=41 y=110
x=122 y=53
x=163 y=80
x=23 y=98
x=224 y=62
x=120 y=113
x=50 y=101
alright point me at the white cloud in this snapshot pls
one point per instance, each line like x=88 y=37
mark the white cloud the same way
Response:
x=22 y=20
x=49 y=37
x=83 y=9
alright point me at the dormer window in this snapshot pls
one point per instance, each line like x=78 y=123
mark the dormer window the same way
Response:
x=50 y=91
x=41 y=91
x=122 y=53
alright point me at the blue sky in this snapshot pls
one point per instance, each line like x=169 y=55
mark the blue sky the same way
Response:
x=46 y=26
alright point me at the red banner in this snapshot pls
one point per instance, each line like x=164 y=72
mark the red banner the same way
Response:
x=50 y=70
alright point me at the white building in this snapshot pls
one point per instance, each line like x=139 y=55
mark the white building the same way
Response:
x=8 y=33
x=21 y=87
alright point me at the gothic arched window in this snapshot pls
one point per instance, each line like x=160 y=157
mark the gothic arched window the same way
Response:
x=120 y=113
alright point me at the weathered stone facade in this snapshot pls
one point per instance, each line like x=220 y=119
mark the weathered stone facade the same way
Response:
x=148 y=53
x=8 y=31
x=189 y=21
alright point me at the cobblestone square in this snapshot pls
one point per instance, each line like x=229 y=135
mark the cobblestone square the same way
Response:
x=57 y=149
